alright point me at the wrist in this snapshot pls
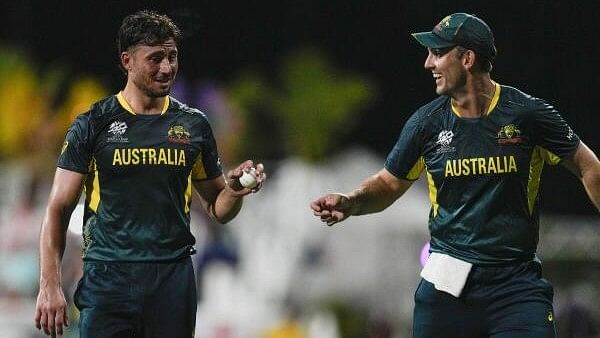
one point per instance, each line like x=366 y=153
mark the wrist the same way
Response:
x=232 y=193
x=350 y=202
x=50 y=282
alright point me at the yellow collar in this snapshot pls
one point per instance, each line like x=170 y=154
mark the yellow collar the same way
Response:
x=493 y=103
x=127 y=107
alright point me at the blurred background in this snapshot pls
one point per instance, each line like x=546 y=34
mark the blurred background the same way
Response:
x=318 y=91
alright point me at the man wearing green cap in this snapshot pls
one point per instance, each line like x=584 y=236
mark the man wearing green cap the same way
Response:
x=482 y=146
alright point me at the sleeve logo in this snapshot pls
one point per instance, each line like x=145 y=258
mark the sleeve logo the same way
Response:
x=570 y=134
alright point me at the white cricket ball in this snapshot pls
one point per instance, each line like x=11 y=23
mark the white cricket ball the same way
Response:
x=248 y=179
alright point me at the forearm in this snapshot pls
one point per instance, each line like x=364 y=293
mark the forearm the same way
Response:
x=591 y=182
x=585 y=165
x=227 y=205
x=52 y=246
x=377 y=193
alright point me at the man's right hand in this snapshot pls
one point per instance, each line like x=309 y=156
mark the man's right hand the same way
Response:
x=332 y=208
x=51 y=310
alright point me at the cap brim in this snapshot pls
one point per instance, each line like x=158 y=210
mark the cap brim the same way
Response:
x=431 y=40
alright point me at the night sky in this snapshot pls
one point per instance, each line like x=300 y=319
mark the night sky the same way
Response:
x=548 y=49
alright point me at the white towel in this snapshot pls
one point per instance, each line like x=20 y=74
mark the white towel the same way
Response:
x=446 y=273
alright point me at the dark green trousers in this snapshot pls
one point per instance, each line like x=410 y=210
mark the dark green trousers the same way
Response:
x=117 y=299
x=497 y=302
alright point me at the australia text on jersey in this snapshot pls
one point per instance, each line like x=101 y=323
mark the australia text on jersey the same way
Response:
x=148 y=156
x=481 y=166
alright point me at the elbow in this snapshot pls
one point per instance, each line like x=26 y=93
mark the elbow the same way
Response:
x=221 y=219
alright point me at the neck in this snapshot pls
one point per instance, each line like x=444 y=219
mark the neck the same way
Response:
x=476 y=97
x=141 y=103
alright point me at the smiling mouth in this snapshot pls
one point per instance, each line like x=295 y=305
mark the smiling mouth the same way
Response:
x=163 y=81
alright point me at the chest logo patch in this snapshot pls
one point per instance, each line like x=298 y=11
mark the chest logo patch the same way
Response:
x=117 y=129
x=178 y=134
x=444 y=140
x=509 y=134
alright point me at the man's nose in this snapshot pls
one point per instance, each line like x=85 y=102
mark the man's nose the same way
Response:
x=429 y=62
x=165 y=66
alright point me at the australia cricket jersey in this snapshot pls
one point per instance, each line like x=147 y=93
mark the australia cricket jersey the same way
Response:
x=139 y=178
x=483 y=173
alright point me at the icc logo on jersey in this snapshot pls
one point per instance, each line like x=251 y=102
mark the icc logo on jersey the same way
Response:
x=444 y=140
x=117 y=129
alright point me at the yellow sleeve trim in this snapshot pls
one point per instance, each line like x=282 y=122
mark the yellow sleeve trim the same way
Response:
x=198 y=172
x=92 y=187
x=549 y=157
x=416 y=170
x=188 y=195
x=535 y=172
x=432 y=193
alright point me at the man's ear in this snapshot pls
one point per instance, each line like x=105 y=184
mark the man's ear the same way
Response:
x=126 y=61
x=468 y=59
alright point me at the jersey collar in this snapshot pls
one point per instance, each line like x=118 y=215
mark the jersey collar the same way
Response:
x=127 y=107
x=493 y=103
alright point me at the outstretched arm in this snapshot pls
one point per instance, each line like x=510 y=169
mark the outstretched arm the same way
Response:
x=222 y=197
x=585 y=165
x=51 y=308
x=373 y=195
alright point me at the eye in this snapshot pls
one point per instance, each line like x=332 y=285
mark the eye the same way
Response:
x=441 y=51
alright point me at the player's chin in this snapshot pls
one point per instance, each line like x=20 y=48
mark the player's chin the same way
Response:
x=440 y=90
x=160 y=91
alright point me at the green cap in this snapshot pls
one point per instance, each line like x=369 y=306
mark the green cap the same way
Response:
x=460 y=29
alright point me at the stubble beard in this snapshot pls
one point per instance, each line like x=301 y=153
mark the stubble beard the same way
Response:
x=146 y=87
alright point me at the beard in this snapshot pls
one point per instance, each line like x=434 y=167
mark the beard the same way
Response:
x=147 y=86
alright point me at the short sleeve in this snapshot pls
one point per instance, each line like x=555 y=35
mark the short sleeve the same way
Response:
x=207 y=164
x=405 y=159
x=552 y=133
x=76 y=153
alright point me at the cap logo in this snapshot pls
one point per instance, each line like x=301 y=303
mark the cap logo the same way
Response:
x=443 y=24
x=446 y=21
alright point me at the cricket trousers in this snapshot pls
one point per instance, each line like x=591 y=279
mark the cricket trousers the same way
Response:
x=146 y=300
x=511 y=301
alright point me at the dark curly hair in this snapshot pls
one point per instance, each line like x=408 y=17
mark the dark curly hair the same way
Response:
x=147 y=28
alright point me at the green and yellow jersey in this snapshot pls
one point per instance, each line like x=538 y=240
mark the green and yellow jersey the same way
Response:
x=139 y=178
x=483 y=173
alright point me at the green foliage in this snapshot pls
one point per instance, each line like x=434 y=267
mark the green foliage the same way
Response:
x=311 y=107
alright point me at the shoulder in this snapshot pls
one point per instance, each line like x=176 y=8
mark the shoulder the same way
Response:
x=97 y=111
x=105 y=107
x=180 y=108
x=519 y=101
x=435 y=107
x=101 y=111
x=432 y=111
